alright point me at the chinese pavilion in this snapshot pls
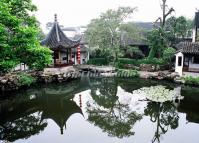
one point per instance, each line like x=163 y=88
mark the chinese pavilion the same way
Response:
x=61 y=46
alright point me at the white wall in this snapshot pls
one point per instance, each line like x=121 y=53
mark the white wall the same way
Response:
x=84 y=58
x=62 y=55
x=21 y=67
x=179 y=69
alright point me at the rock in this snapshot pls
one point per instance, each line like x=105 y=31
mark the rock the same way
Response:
x=174 y=75
x=95 y=69
x=179 y=80
x=3 y=81
x=147 y=67
x=130 y=66
x=108 y=74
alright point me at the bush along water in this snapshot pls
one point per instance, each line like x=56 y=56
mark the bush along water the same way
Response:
x=14 y=81
x=25 y=79
x=191 y=80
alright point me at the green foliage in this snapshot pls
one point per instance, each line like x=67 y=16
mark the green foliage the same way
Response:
x=40 y=58
x=154 y=61
x=25 y=79
x=191 y=80
x=162 y=37
x=133 y=52
x=179 y=27
x=127 y=73
x=157 y=41
x=104 y=33
x=168 y=54
x=125 y=61
x=98 y=61
x=129 y=31
x=18 y=34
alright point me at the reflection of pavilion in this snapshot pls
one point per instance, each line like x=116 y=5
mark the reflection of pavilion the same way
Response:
x=32 y=108
x=59 y=110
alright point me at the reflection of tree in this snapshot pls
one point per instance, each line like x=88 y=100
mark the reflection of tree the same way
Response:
x=165 y=115
x=108 y=91
x=108 y=113
x=23 y=127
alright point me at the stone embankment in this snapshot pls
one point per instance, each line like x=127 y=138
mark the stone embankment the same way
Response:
x=12 y=81
x=161 y=75
x=102 y=71
x=16 y=80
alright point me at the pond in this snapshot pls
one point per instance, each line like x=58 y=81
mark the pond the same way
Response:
x=106 y=110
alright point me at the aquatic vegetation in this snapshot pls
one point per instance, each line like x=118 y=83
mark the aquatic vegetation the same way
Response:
x=159 y=93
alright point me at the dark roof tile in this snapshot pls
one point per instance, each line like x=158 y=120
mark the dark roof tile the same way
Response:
x=188 y=47
x=56 y=38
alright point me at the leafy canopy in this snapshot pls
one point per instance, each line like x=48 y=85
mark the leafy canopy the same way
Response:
x=19 y=36
x=104 y=32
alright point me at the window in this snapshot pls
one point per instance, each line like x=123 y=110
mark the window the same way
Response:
x=56 y=55
x=179 y=61
x=196 y=60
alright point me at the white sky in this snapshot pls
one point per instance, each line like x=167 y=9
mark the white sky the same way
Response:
x=80 y=12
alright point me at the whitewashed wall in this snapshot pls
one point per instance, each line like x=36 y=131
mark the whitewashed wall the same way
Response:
x=179 y=69
x=21 y=67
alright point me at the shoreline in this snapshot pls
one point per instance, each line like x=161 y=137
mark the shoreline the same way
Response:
x=10 y=82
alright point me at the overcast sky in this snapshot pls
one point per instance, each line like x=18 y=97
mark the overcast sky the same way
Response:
x=80 y=12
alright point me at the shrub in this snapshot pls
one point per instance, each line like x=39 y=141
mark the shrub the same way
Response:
x=168 y=54
x=191 y=80
x=154 y=61
x=25 y=79
x=127 y=73
x=134 y=52
x=98 y=61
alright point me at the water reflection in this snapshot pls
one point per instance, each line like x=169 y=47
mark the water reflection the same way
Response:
x=23 y=127
x=26 y=114
x=108 y=104
x=108 y=113
x=164 y=115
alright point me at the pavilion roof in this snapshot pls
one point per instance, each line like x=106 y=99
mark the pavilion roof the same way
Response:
x=188 y=47
x=60 y=111
x=57 y=39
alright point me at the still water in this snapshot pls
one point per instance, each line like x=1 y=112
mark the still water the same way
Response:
x=98 y=111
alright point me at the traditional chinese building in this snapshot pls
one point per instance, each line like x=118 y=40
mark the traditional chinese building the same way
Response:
x=187 y=56
x=66 y=51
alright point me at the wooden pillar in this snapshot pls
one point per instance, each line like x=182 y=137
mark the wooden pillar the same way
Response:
x=78 y=55
x=54 y=57
x=188 y=61
x=67 y=55
x=59 y=57
x=70 y=54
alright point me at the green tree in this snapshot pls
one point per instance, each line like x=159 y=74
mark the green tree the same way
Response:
x=104 y=33
x=168 y=54
x=19 y=36
x=134 y=53
x=158 y=38
x=157 y=41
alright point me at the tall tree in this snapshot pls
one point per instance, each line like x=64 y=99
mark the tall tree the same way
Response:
x=19 y=36
x=104 y=32
x=158 y=36
x=165 y=13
